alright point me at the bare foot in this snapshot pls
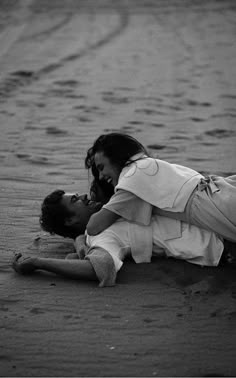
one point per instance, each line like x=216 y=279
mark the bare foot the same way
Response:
x=23 y=265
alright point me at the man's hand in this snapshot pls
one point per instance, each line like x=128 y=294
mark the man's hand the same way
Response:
x=24 y=265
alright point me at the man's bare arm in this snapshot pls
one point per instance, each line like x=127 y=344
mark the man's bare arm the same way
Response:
x=76 y=269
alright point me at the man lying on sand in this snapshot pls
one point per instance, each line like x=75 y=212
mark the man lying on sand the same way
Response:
x=67 y=214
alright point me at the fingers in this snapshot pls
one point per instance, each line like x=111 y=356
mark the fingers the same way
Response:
x=17 y=256
x=15 y=263
x=23 y=266
x=15 y=259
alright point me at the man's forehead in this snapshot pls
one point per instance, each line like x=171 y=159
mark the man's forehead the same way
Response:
x=66 y=198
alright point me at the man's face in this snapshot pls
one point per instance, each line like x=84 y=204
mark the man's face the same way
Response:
x=107 y=170
x=81 y=209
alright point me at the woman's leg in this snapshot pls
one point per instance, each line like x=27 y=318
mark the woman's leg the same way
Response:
x=214 y=207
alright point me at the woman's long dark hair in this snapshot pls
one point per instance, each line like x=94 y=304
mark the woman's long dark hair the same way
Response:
x=118 y=148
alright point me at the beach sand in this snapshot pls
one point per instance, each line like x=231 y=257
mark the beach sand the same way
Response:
x=164 y=72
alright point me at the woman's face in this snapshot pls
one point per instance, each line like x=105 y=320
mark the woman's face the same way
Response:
x=107 y=170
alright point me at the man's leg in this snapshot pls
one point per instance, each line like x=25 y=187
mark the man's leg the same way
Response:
x=77 y=269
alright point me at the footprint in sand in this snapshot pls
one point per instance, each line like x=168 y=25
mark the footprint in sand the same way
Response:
x=116 y=100
x=67 y=83
x=112 y=98
x=33 y=159
x=83 y=119
x=180 y=137
x=168 y=149
x=147 y=111
x=37 y=310
x=229 y=113
x=196 y=159
x=197 y=119
x=220 y=133
x=158 y=125
x=123 y=129
x=228 y=95
x=110 y=316
x=52 y=130
x=126 y=89
x=23 y=74
x=129 y=129
x=61 y=92
x=135 y=123
x=15 y=80
x=64 y=88
x=209 y=144
x=88 y=109
x=152 y=124
x=196 y=103
x=40 y=104
x=156 y=147
x=112 y=130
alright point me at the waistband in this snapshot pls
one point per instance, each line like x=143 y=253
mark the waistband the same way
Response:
x=207 y=182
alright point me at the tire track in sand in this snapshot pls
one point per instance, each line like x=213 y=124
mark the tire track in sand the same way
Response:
x=13 y=28
x=22 y=78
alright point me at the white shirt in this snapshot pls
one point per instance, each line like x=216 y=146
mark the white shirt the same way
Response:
x=195 y=245
x=162 y=184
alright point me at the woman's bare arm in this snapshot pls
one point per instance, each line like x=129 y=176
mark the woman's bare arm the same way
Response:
x=100 y=221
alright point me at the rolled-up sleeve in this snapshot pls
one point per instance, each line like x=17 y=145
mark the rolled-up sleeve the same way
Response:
x=130 y=207
x=103 y=265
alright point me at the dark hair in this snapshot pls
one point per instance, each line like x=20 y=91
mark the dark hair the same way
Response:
x=101 y=191
x=118 y=148
x=54 y=214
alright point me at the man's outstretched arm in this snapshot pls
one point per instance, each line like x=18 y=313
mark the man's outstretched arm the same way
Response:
x=76 y=269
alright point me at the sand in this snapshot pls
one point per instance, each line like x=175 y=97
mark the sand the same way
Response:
x=164 y=72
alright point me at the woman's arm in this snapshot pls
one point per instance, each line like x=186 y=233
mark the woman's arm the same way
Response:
x=122 y=204
x=100 y=221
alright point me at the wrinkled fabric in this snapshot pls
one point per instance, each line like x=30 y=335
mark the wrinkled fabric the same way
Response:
x=213 y=206
x=108 y=250
x=131 y=208
x=103 y=265
x=140 y=242
x=164 y=185
x=196 y=245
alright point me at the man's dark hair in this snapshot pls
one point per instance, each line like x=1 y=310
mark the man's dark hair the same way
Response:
x=54 y=214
